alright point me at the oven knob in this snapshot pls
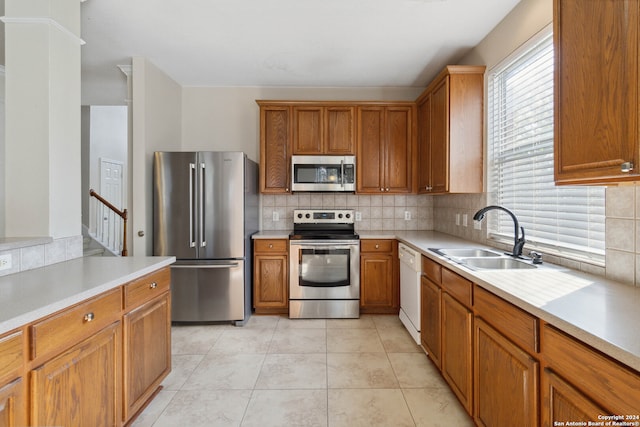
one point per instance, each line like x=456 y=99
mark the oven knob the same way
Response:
x=339 y=215
x=308 y=216
x=348 y=216
x=299 y=215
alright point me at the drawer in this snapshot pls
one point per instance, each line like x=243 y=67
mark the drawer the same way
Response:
x=516 y=324
x=271 y=245
x=11 y=353
x=147 y=287
x=372 y=245
x=68 y=327
x=432 y=270
x=457 y=286
x=610 y=384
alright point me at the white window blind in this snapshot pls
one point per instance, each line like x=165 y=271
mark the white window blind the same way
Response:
x=520 y=137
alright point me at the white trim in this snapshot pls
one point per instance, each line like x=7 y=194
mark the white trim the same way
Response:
x=523 y=48
x=47 y=21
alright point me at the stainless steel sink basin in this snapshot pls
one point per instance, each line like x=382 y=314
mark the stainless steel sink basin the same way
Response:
x=468 y=253
x=496 y=264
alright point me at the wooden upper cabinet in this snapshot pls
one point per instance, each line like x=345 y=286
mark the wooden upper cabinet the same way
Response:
x=596 y=91
x=275 y=152
x=385 y=148
x=450 y=132
x=323 y=130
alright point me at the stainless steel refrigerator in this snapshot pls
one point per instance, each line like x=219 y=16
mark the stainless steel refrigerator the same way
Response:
x=205 y=211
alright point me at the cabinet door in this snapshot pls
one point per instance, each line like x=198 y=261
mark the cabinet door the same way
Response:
x=378 y=293
x=562 y=402
x=440 y=138
x=80 y=387
x=399 y=141
x=275 y=155
x=424 y=146
x=147 y=352
x=457 y=362
x=339 y=135
x=430 y=330
x=12 y=404
x=271 y=283
x=308 y=130
x=505 y=381
x=596 y=89
x=371 y=154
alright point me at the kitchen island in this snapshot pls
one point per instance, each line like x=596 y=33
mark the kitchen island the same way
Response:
x=84 y=342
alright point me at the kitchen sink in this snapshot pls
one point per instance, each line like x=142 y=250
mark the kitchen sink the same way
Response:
x=467 y=253
x=496 y=264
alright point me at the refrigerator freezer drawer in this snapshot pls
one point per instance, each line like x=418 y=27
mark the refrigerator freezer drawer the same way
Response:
x=208 y=292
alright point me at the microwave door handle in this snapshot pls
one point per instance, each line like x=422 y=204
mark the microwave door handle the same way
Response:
x=342 y=173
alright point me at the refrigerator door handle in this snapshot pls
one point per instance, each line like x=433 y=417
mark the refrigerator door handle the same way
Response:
x=203 y=243
x=230 y=265
x=192 y=172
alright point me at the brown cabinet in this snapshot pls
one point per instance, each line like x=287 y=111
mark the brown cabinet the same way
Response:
x=379 y=276
x=597 y=105
x=147 y=339
x=582 y=383
x=450 y=132
x=82 y=385
x=385 y=148
x=457 y=357
x=275 y=148
x=431 y=309
x=12 y=390
x=505 y=380
x=271 y=276
x=323 y=129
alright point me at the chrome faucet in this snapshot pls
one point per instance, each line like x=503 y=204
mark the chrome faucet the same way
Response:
x=518 y=242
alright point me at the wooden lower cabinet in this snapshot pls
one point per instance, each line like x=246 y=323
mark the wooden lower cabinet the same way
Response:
x=430 y=328
x=379 y=277
x=505 y=381
x=457 y=357
x=12 y=404
x=271 y=276
x=564 y=402
x=147 y=352
x=81 y=386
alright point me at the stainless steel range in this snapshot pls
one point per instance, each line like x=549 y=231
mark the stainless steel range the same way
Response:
x=324 y=259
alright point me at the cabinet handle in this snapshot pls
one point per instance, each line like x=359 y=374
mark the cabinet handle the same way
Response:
x=89 y=317
x=377 y=246
x=382 y=189
x=626 y=167
x=387 y=188
x=153 y=285
x=270 y=245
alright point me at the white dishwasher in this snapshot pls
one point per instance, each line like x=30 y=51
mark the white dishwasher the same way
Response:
x=410 y=271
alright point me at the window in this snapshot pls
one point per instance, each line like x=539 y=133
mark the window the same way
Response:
x=520 y=138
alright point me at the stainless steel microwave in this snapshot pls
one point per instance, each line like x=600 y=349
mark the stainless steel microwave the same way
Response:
x=323 y=173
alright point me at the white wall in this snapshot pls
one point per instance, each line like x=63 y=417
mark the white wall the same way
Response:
x=157 y=124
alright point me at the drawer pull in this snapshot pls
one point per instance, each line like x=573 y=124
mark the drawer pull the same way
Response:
x=89 y=317
x=153 y=285
x=270 y=245
x=377 y=246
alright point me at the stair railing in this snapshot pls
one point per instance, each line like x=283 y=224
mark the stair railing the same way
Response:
x=121 y=213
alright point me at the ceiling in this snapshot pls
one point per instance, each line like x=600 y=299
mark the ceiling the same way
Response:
x=304 y=43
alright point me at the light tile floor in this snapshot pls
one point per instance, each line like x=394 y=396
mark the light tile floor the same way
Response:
x=276 y=371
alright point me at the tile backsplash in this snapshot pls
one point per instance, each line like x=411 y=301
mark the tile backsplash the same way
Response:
x=27 y=257
x=378 y=212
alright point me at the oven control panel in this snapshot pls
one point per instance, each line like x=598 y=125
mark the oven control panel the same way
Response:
x=323 y=216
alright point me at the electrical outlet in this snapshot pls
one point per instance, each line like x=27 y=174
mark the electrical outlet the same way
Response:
x=358 y=216
x=5 y=262
x=276 y=216
x=464 y=220
x=457 y=219
x=407 y=215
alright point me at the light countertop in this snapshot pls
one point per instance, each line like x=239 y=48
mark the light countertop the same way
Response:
x=31 y=295
x=597 y=311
